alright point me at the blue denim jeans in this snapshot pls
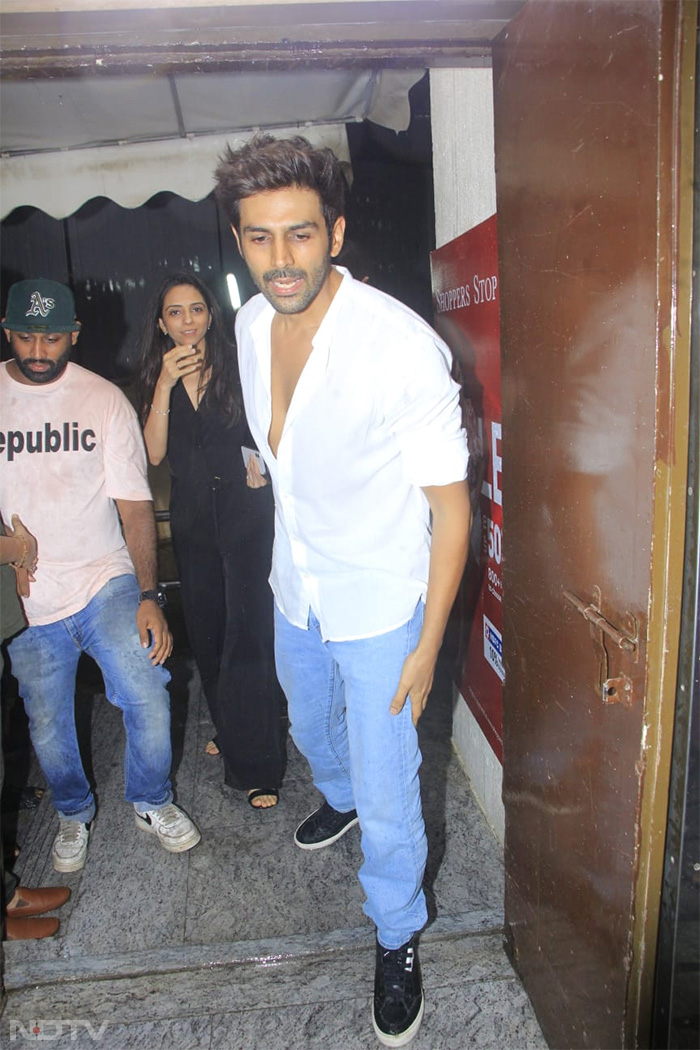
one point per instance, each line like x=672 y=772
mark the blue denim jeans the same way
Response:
x=362 y=757
x=45 y=660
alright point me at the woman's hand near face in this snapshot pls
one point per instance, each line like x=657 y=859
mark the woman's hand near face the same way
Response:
x=179 y=362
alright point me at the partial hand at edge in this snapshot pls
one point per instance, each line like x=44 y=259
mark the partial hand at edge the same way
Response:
x=254 y=478
x=24 y=575
x=23 y=578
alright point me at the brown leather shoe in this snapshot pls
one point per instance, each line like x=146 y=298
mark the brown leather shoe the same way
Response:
x=30 y=929
x=28 y=902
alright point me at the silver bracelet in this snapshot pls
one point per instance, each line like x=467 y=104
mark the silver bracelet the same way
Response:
x=158 y=411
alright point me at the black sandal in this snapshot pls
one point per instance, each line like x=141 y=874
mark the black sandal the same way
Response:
x=258 y=793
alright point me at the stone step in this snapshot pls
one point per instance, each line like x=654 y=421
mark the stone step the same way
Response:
x=37 y=964
x=322 y=982
x=298 y=993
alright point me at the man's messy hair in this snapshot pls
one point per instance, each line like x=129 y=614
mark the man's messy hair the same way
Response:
x=266 y=163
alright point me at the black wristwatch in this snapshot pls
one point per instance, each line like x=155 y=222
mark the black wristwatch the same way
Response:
x=156 y=595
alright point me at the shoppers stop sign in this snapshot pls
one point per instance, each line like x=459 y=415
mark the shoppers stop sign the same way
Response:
x=466 y=296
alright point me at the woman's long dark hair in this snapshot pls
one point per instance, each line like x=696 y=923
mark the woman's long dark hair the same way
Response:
x=222 y=393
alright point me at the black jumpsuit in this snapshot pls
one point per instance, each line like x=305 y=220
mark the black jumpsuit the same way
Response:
x=222 y=535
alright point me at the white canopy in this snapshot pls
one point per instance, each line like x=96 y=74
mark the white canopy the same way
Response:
x=64 y=141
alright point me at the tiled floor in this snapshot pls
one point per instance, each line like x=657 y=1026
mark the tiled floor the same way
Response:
x=246 y=941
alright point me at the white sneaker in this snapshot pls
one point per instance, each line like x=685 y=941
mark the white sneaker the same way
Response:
x=70 y=845
x=175 y=831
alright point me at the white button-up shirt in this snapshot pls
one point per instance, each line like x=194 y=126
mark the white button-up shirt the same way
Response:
x=374 y=417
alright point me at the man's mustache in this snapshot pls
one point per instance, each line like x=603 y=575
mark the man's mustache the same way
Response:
x=280 y=275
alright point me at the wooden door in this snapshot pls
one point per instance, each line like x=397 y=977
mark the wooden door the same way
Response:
x=592 y=113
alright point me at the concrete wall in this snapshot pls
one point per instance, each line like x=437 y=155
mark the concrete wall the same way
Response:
x=461 y=102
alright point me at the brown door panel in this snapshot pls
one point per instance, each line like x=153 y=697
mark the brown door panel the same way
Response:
x=583 y=233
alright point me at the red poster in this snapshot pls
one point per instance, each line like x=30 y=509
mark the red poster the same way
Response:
x=466 y=298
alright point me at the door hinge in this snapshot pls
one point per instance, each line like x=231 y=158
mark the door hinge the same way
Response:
x=614 y=689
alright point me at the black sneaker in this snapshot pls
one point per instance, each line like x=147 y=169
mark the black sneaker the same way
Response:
x=398 y=994
x=325 y=826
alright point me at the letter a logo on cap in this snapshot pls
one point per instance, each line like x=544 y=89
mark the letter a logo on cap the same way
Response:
x=39 y=306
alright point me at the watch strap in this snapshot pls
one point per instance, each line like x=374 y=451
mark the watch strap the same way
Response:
x=155 y=594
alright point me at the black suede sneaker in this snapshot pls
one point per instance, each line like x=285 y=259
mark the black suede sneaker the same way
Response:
x=398 y=994
x=325 y=826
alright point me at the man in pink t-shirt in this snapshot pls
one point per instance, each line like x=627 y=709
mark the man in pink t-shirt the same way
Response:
x=72 y=462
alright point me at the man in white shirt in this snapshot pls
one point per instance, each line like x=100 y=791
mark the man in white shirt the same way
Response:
x=72 y=462
x=350 y=400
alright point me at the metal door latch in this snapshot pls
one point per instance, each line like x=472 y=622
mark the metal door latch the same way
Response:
x=617 y=689
x=595 y=616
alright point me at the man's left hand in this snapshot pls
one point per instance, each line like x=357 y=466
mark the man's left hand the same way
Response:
x=415 y=682
x=152 y=625
x=451 y=517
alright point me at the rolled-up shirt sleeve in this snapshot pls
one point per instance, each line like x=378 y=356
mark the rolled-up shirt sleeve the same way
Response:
x=425 y=418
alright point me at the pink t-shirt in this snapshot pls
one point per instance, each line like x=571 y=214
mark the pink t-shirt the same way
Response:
x=68 y=450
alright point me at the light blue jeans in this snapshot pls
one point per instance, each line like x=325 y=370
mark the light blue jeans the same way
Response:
x=362 y=757
x=45 y=660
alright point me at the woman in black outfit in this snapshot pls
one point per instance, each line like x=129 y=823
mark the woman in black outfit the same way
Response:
x=221 y=520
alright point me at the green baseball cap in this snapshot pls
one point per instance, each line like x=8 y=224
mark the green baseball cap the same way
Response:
x=40 y=305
